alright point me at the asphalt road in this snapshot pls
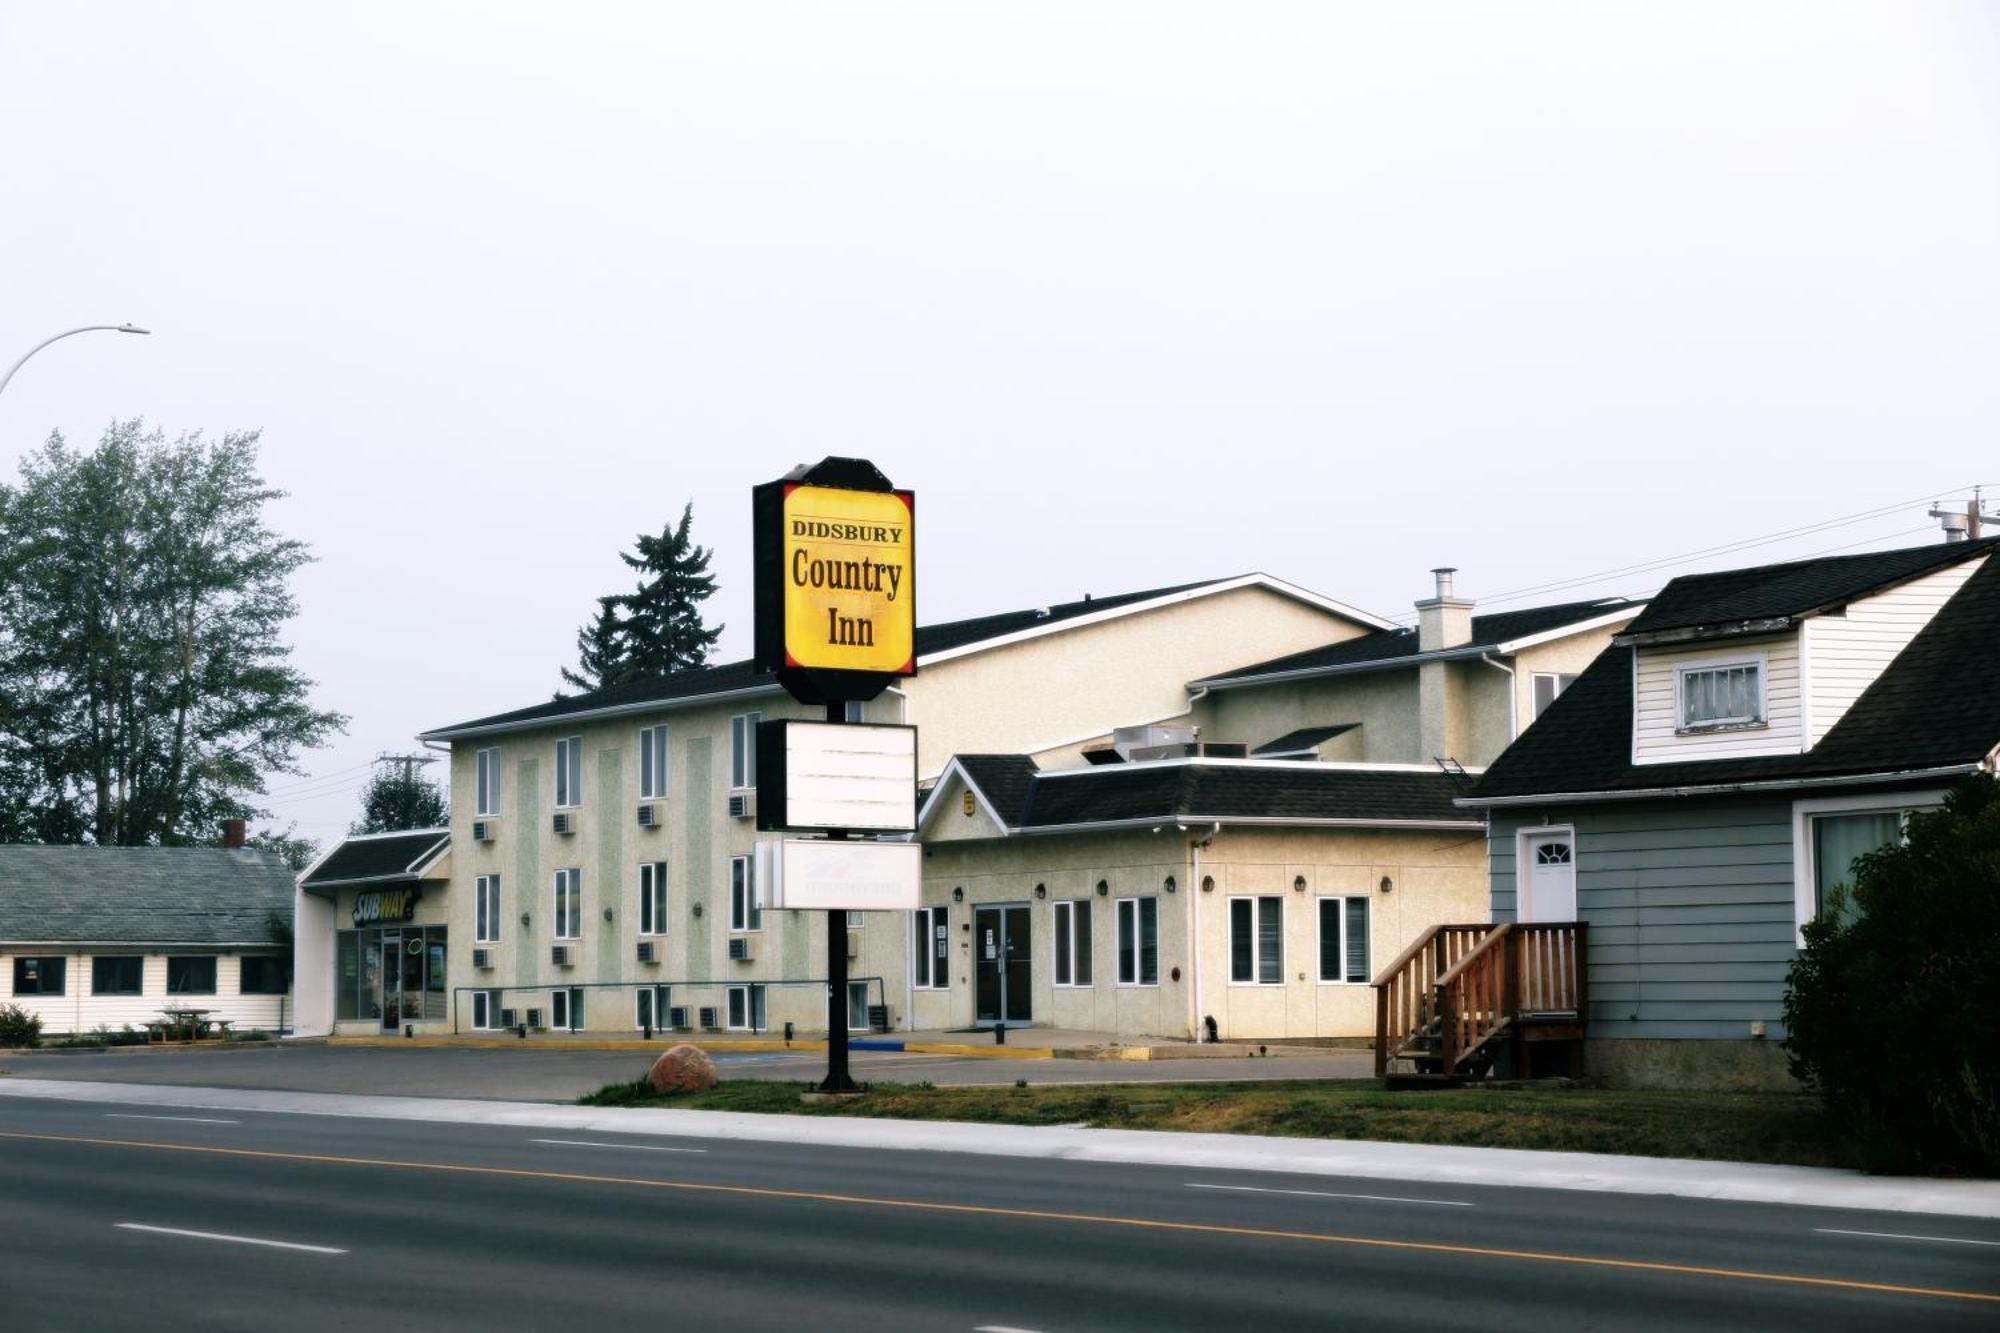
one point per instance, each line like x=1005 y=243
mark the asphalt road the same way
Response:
x=550 y=1074
x=124 y=1217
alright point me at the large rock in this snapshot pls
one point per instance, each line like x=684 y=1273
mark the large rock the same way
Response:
x=681 y=1068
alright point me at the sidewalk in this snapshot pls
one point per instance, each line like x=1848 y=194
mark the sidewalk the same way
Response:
x=1503 y=1167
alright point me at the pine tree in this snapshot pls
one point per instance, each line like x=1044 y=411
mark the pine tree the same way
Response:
x=657 y=628
x=601 y=650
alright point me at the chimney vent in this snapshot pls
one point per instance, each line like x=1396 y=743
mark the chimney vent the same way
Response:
x=1444 y=573
x=232 y=833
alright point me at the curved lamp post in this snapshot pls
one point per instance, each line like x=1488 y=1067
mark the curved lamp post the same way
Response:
x=88 y=328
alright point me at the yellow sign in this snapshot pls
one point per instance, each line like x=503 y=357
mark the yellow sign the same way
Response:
x=848 y=566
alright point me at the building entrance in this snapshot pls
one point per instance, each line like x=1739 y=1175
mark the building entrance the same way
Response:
x=1002 y=967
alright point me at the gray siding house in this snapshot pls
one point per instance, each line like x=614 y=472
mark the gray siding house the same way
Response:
x=1701 y=790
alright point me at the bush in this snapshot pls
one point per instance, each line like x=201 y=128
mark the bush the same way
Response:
x=18 y=1027
x=1888 y=1011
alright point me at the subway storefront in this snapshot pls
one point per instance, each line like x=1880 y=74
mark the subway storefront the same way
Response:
x=392 y=947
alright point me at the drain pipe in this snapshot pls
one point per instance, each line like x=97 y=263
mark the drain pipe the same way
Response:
x=1513 y=703
x=1194 y=948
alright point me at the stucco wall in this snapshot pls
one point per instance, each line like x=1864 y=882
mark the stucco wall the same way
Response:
x=1383 y=702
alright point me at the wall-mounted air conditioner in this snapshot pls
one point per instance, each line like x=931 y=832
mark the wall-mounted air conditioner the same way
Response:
x=677 y=1018
x=535 y=1019
x=506 y=1018
x=649 y=816
x=564 y=823
x=646 y=952
x=483 y=830
x=739 y=950
x=743 y=805
x=482 y=958
x=709 y=1020
x=559 y=955
x=853 y=944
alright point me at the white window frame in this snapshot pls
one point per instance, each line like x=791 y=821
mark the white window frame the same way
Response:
x=1563 y=680
x=1062 y=931
x=571 y=998
x=486 y=909
x=490 y=1001
x=1340 y=944
x=936 y=920
x=655 y=763
x=658 y=997
x=753 y=1000
x=652 y=898
x=486 y=782
x=569 y=772
x=1138 y=981
x=570 y=877
x=1698 y=665
x=1805 y=893
x=743 y=751
x=746 y=908
x=1256 y=937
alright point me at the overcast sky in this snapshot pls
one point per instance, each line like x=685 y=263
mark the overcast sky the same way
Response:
x=1129 y=295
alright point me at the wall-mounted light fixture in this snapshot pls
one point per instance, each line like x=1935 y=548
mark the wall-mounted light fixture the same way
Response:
x=1298 y=884
x=607 y=914
x=958 y=894
x=1386 y=884
x=524 y=918
x=1041 y=890
x=697 y=909
x=1208 y=884
x=1103 y=889
x=1169 y=884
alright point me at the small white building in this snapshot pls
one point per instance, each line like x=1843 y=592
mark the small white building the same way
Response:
x=109 y=937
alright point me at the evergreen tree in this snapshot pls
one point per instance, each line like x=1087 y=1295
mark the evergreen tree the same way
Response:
x=657 y=628
x=398 y=798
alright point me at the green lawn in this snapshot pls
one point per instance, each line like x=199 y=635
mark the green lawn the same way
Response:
x=1786 y=1128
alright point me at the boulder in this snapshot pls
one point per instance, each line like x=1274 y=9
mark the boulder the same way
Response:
x=681 y=1068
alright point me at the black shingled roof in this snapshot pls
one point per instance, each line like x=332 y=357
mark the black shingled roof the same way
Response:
x=1198 y=790
x=1386 y=646
x=378 y=857
x=1937 y=705
x=727 y=677
x=141 y=895
x=1004 y=779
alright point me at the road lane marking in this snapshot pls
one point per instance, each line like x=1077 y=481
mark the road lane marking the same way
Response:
x=1328 y=1194
x=1002 y=1328
x=1033 y=1214
x=635 y=1147
x=178 y=1119
x=233 y=1240
x=1897 y=1235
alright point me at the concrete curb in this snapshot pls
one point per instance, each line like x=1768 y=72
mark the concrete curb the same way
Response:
x=1501 y=1167
x=705 y=1043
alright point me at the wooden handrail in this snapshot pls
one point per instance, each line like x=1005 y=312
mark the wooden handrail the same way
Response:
x=1472 y=981
x=1404 y=993
x=1423 y=942
x=1500 y=932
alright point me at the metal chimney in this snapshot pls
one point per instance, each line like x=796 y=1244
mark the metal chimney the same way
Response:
x=1443 y=574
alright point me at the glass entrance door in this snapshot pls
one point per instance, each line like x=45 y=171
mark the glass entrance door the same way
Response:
x=1003 y=970
x=392 y=983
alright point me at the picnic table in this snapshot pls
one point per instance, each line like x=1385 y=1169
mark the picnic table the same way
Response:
x=179 y=1023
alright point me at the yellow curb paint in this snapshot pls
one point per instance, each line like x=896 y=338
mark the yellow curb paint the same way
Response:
x=1049 y=1215
x=706 y=1044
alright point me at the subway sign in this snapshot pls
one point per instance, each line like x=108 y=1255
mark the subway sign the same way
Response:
x=380 y=905
x=836 y=580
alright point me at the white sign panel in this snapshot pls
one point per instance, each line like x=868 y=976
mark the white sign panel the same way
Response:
x=857 y=876
x=847 y=776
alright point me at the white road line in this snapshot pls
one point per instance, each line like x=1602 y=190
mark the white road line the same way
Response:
x=1325 y=1194
x=181 y=1119
x=1001 y=1328
x=1897 y=1235
x=234 y=1240
x=635 y=1147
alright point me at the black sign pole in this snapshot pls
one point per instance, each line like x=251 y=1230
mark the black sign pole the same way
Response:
x=837 y=1079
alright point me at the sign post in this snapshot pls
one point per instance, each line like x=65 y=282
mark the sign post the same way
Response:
x=835 y=561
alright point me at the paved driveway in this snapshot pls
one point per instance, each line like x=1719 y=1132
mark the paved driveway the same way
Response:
x=541 y=1074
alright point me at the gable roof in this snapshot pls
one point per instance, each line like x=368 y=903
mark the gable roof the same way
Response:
x=1935 y=707
x=377 y=858
x=1192 y=791
x=141 y=895
x=934 y=643
x=1501 y=631
x=1753 y=599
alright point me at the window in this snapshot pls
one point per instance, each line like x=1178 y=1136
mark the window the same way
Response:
x=486 y=909
x=653 y=898
x=264 y=974
x=40 y=976
x=1720 y=694
x=487 y=781
x=1072 y=925
x=1547 y=685
x=1257 y=941
x=743 y=751
x=857 y=1006
x=652 y=763
x=1343 y=940
x=746 y=907
x=569 y=904
x=117 y=975
x=649 y=1007
x=193 y=974
x=486 y=1009
x=566 y=1008
x=746 y=1008
x=1138 y=941
x=854 y=710
x=930 y=948
x=569 y=771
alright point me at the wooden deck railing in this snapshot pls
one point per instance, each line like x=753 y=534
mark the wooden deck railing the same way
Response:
x=1493 y=978
x=1404 y=991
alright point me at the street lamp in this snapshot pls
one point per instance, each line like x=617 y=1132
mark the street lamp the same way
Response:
x=88 y=328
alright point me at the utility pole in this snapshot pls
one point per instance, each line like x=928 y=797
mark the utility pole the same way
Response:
x=1966 y=526
x=410 y=763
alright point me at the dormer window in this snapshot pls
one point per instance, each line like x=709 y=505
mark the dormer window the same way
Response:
x=1714 y=695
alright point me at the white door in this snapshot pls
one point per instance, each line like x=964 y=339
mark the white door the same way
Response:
x=1549 y=885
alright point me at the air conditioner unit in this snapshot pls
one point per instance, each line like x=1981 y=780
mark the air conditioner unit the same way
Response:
x=739 y=950
x=506 y=1018
x=677 y=1018
x=482 y=830
x=646 y=951
x=565 y=823
x=853 y=944
x=649 y=816
x=559 y=955
x=535 y=1019
x=708 y=1018
x=743 y=805
x=482 y=958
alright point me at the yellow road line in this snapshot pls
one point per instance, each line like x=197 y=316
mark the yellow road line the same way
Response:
x=1039 y=1214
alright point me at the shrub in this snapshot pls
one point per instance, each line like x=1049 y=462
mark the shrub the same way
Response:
x=18 y=1027
x=1888 y=1011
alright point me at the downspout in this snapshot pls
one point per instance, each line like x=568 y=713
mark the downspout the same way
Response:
x=1194 y=949
x=1513 y=697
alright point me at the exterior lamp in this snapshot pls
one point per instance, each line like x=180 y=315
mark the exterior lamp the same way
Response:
x=1169 y=884
x=1041 y=890
x=1208 y=884
x=1299 y=884
x=958 y=894
x=1103 y=889
x=1386 y=884
x=88 y=328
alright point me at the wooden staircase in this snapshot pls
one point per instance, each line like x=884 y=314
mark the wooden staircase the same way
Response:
x=1458 y=998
